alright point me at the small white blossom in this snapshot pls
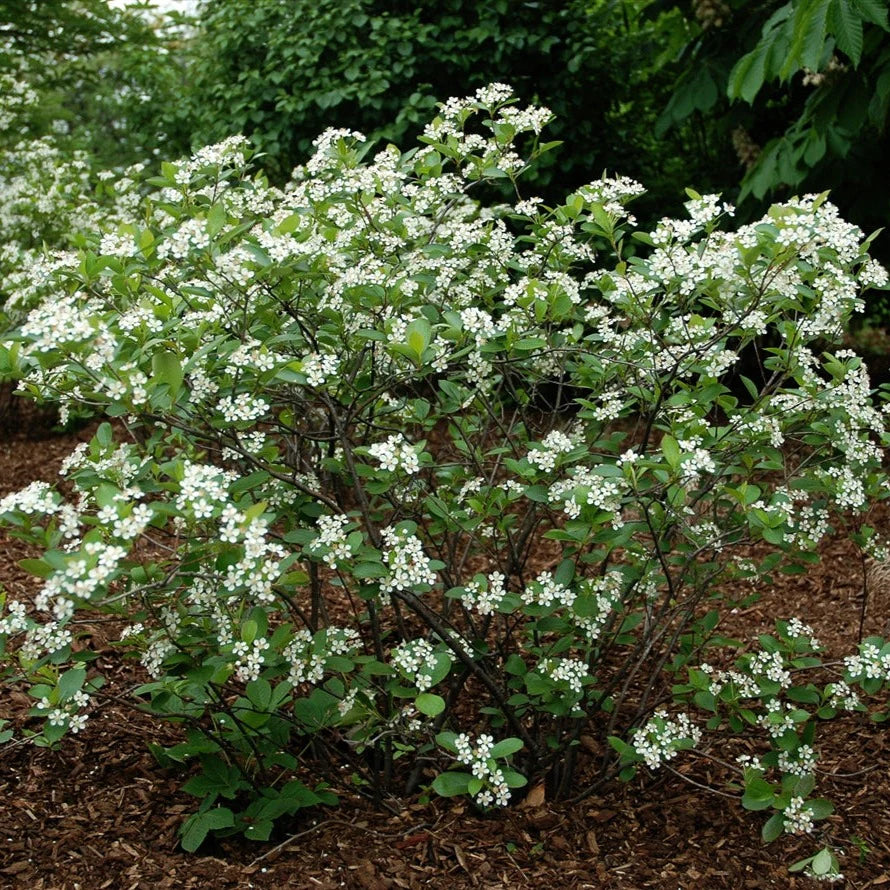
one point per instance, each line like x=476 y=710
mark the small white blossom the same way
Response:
x=661 y=738
x=798 y=817
x=396 y=453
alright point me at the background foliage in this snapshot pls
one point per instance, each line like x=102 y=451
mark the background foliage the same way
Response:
x=106 y=78
x=283 y=72
x=799 y=91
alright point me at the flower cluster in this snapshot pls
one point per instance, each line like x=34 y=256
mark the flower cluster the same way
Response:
x=552 y=446
x=242 y=408
x=249 y=658
x=396 y=454
x=663 y=736
x=409 y=567
x=418 y=661
x=477 y=755
x=332 y=539
x=259 y=565
x=597 y=600
x=842 y=697
x=546 y=591
x=797 y=630
x=742 y=683
x=16 y=618
x=485 y=595
x=307 y=653
x=68 y=714
x=203 y=489
x=780 y=717
x=569 y=671
x=872 y=663
x=798 y=817
x=584 y=487
x=800 y=762
x=319 y=368
x=769 y=666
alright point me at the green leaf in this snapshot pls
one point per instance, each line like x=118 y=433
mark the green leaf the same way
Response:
x=565 y=572
x=823 y=862
x=167 y=368
x=417 y=336
x=196 y=827
x=506 y=747
x=747 y=76
x=446 y=741
x=369 y=570
x=451 y=784
x=537 y=493
x=249 y=631
x=773 y=828
x=259 y=692
x=809 y=32
x=801 y=864
x=104 y=435
x=260 y=830
x=71 y=682
x=671 y=451
x=514 y=779
x=36 y=567
x=430 y=704
x=758 y=794
x=820 y=808
x=804 y=785
x=847 y=28
x=873 y=11
x=619 y=745
x=216 y=219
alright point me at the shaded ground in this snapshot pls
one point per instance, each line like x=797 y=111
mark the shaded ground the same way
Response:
x=99 y=813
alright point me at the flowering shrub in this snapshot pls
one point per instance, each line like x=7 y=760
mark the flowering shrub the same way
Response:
x=397 y=472
x=49 y=191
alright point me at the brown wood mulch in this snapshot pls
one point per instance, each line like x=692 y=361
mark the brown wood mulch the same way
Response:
x=99 y=812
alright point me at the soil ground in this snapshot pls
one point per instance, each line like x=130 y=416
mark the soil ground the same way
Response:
x=99 y=813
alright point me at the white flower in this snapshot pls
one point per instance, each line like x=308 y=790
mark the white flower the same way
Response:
x=242 y=407
x=250 y=659
x=485 y=596
x=417 y=660
x=332 y=535
x=658 y=741
x=319 y=368
x=477 y=756
x=408 y=565
x=553 y=445
x=396 y=453
x=545 y=591
x=566 y=670
x=798 y=630
x=36 y=498
x=798 y=817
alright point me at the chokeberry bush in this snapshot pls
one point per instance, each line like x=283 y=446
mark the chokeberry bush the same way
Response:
x=50 y=192
x=409 y=482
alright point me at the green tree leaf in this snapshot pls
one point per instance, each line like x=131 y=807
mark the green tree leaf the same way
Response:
x=846 y=25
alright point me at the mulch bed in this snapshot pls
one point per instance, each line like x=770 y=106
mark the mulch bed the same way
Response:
x=100 y=813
